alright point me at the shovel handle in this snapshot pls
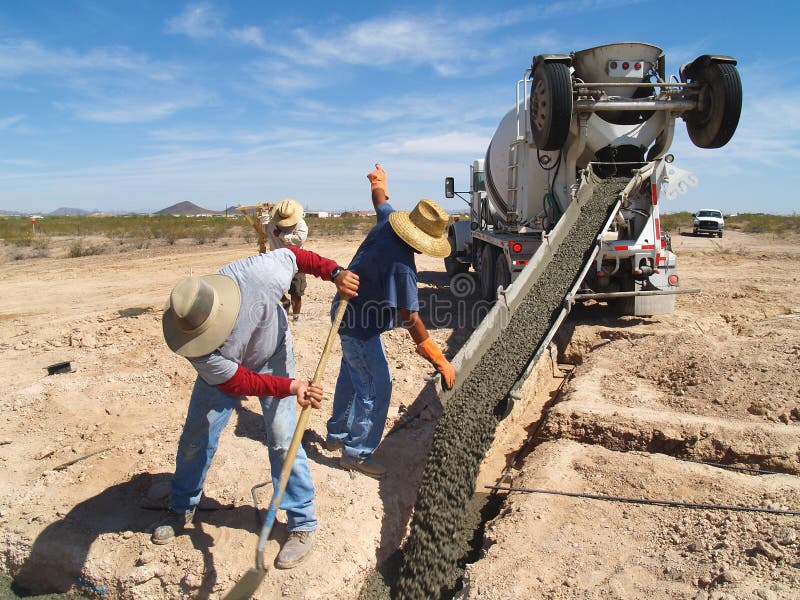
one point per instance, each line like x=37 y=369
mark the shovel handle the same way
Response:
x=299 y=430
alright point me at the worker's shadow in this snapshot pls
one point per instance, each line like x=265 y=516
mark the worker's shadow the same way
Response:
x=57 y=558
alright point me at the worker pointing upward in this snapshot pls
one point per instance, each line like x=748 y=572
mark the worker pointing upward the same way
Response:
x=387 y=299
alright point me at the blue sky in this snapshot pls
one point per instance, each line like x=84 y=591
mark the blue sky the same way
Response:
x=138 y=105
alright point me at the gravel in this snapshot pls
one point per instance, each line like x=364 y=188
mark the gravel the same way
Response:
x=466 y=429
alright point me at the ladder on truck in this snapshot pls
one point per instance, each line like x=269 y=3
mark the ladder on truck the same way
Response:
x=517 y=154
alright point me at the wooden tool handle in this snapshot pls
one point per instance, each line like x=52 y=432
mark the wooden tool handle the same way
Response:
x=302 y=420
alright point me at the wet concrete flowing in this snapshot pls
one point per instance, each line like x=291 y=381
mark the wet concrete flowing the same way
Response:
x=466 y=429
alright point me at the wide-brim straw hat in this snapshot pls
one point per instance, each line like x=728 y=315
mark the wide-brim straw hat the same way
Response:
x=286 y=213
x=424 y=228
x=200 y=314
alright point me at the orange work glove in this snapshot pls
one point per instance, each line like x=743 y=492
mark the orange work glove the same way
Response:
x=377 y=179
x=429 y=350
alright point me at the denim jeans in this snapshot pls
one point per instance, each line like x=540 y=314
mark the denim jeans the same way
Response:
x=209 y=411
x=361 y=399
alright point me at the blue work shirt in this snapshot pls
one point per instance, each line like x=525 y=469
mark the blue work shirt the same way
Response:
x=388 y=281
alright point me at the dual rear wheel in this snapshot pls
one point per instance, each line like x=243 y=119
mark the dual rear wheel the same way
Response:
x=494 y=272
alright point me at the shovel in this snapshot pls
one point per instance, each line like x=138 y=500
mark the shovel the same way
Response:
x=249 y=583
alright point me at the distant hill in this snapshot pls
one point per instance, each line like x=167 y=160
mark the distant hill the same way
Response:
x=188 y=208
x=10 y=213
x=70 y=212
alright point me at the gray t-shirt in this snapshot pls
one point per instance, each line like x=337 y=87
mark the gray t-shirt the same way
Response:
x=261 y=326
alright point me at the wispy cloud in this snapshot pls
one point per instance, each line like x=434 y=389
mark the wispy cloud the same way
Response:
x=20 y=58
x=448 y=143
x=450 y=45
x=106 y=84
x=125 y=111
x=201 y=21
x=10 y=122
x=412 y=41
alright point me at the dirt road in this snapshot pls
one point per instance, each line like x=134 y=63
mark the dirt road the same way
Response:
x=717 y=381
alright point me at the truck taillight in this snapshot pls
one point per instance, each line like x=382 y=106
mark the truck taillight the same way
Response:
x=672 y=280
x=515 y=246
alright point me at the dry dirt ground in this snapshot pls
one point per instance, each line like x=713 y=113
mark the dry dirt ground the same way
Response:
x=718 y=381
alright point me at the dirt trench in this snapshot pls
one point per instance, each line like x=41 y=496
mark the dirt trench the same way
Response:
x=656 y=409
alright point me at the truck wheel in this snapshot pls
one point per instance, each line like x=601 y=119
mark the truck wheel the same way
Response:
x=720 y=234
x=551 y=105
x=694 y=233
x=488 y=287
x=713 y=126
x=452 y=265
x=502 y=276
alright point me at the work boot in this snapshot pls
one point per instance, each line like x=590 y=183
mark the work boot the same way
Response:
x=333 y=445
x=368 y=466
x=170 y=526
x=295 y=550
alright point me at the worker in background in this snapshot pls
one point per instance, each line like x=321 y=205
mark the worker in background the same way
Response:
x=388 y=298
x=232 y=329
x=285 y=227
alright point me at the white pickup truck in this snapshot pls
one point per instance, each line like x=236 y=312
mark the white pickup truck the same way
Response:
x=709 y=221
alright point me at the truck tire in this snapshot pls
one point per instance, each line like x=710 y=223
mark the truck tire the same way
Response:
x=714 y=125
x=488 y=287
x=452 y=265
x=551 y=105
x=502 y=276
x=720 y=234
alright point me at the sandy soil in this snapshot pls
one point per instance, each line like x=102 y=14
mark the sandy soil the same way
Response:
x=717 y=381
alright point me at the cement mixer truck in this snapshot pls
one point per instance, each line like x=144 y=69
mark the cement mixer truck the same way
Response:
x=610 y=109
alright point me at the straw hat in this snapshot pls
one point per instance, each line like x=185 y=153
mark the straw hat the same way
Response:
x=423 y=228
x=200 y=314
x=286 y=213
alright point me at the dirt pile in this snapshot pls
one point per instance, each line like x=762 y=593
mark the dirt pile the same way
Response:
x=466 y=429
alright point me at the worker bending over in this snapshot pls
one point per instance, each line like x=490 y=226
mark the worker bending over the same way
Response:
x=233 y=330
x=388 y=298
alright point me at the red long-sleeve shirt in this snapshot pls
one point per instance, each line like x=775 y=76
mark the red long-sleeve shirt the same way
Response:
x=249 y=383
x=312 y=263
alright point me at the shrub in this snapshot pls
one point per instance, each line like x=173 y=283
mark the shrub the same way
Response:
x=77 y=249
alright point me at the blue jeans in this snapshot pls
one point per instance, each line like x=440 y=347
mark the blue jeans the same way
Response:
x=361 y=399
x=209 y=411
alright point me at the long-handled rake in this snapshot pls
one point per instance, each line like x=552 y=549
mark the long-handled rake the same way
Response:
x=249 y=583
